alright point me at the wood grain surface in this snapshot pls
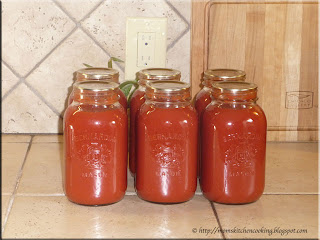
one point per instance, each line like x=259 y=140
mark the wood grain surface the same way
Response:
x=276 y=43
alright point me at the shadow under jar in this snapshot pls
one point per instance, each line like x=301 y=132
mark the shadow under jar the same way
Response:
x=99 y=74
x=95 y=144
x=137 y=99
x=233 y=130
x=167 y=132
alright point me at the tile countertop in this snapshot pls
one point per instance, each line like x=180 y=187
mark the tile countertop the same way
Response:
x=34 y=206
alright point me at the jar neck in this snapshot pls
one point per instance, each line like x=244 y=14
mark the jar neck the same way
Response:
x=142 y=87
x=235 y=97
x=165 y=104
x=208 y=83
x=116 y=80
x=180 y=97
x=95 y=97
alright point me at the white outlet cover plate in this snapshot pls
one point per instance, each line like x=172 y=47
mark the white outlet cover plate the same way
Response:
x=136 y=28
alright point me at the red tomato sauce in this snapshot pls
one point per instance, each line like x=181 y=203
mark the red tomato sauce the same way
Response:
x=136 y=101
x=233 y=152
x=95 y=138
x=166 y=152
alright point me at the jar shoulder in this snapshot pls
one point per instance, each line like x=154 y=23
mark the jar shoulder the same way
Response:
x=148 y=111
x=236 y=113
x=203 y=93
x=108 y=113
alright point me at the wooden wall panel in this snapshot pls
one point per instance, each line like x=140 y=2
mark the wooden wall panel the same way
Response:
x=276 y=43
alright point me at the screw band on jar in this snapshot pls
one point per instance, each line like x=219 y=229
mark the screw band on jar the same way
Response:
x=213 y=75
x=234 y=91
x=155 y=74
x=108 y=74
x=96 y=90
x=168 y=91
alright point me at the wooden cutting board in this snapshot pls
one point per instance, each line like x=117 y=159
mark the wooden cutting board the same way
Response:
x=276 y=43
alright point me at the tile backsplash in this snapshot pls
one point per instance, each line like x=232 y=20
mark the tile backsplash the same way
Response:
x=45 y=42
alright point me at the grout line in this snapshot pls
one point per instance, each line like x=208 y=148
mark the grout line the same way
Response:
x=99 y=45
x=184 y=19
x=16 y=186
x=53 y=109
x=40 y=194
x=78 y=23
x=11 y=69
x=11 y=89
x=218 y=220
x=92 y=10
x=51 y=51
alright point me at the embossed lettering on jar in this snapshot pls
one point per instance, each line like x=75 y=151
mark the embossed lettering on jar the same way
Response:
x=137 y=99
x=95 y=145
x=99 y=74
x=233 y=131
x=167 y=131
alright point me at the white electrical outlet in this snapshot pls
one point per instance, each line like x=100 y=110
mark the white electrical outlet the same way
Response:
x=146 y=44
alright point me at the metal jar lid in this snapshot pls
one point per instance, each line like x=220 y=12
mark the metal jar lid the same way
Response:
x=159 y=74
x=233 y=86
x=96 y=86
x=167 y=86
x=224 y=75
x=109 y=74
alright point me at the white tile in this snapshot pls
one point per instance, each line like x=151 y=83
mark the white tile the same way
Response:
x=15 y=138
x=271 y=215
x=55 y=76
x=12 y=158
x=32 y=29
x=178 y=57
x=56 y=217
x=78 y=9
x=183 y=7
x=8 y=79
x=42 y=173
x=291 y=168
x=24 y=112
x=108 y=23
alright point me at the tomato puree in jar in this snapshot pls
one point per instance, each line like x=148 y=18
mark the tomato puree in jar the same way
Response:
x=95 y=145
x=167 y=131
x=145 y=75
x=203 y=98
x=233 y=145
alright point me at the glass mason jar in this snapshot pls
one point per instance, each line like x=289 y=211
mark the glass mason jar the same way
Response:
x=99 y=74
x=210 y=76
x=137 y=99
x=203 y=97
x=233 y=131
x=167 y=132
x=95 y=144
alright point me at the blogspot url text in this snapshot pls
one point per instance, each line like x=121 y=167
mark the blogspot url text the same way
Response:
x=263 y=230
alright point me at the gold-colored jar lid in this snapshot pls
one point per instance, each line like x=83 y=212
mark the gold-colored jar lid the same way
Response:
x=167 y=86
x=224 y=75
x=96 y=86
x=234 y=86
x=109 y=74
x=159 y=74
